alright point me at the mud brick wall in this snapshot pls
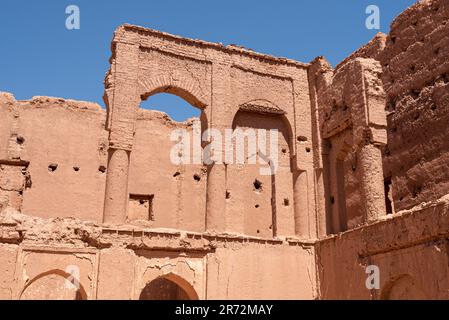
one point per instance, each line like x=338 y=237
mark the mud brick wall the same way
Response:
x=416 y=78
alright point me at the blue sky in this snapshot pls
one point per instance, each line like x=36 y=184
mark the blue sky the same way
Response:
x=39 y=56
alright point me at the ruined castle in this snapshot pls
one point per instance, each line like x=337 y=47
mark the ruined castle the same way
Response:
x=92 y=208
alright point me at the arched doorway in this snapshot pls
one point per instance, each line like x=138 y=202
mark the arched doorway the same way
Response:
x=168 y=288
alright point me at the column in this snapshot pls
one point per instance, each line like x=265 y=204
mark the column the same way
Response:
x=372 y=181
x=301 y=203
x=216 y=198
x=116 y=195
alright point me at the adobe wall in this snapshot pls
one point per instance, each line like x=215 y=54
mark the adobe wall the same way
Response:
x=226 y=84
x=415 y=78
x=410 y=249
x=117 y=263
x=62 y=144
x=409 y=245
x=361 y=178
x=414 y=64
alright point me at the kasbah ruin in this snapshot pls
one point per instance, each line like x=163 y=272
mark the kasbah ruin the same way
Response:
x=89 y=197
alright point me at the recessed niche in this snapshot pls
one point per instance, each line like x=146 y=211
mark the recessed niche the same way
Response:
x=52 y=167
x=140 y=207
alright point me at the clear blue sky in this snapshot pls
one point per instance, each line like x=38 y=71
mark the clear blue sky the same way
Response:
x=39 y=56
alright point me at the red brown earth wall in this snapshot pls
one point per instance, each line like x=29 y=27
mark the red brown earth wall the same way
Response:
x=324 y=227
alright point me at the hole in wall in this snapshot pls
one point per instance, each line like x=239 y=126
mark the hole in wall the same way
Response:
x=332 y=199
x=256 y=206
x=415 y=93
x=20 y=140
x=416 y=191
x=196 y=177
x=416 y=115
x=284 y=150
x=76 y=169
x=286 y=202
x=102 y=169
x=445 y=77
x=52 y=167
x=308 y=149
x=176 y=174
x=257 y=185
x=228 y=194
x=388 y=199
x=301 y=139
